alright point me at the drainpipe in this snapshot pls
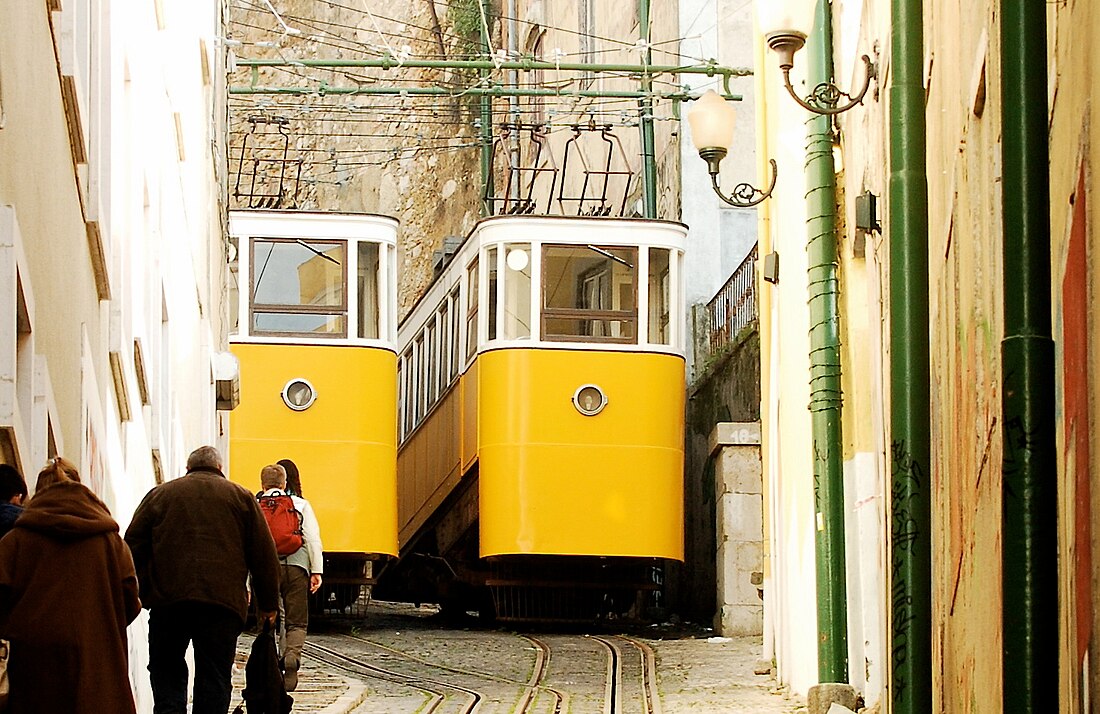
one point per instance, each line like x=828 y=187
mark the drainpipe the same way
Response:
x=910 y=450
x=486 y=130
x=645 y=110
x=825 y=392
x=1029 y=554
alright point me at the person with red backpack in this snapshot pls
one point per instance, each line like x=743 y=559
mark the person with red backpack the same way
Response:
x=297 y=539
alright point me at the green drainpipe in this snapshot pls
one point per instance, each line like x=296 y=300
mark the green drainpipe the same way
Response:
x=1029 y=554
x=645 y=109
x=486 y=104
x=825 y=393
x=910 y=487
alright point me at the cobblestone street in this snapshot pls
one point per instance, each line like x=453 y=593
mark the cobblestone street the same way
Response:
x=404 y=659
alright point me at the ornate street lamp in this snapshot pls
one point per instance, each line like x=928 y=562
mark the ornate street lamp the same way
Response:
x=712 y=120
x=785 y=25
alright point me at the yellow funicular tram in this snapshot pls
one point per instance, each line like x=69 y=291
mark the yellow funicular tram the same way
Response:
x=541 y=407
x=316 y=341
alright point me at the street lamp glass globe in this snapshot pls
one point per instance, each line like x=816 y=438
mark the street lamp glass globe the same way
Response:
x=785 y=17
x=712 y=120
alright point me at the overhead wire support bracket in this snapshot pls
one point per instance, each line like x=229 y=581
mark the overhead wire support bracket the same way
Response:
x=494 y=91
x=527 y=64
x=709 y=69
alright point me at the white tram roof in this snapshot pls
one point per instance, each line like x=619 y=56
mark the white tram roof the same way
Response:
x=577 y=229
x=313 y=224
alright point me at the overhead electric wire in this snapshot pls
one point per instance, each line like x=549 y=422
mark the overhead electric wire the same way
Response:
x=250 y=6
x=559 y=113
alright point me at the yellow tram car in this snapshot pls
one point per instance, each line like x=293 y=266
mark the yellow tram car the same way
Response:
x=316 y=342
x=541 y=408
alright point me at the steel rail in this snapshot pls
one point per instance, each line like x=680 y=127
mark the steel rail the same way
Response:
x=530 y=688
x=538 y=674
x=612 y=705
x=649 y=675
x=350 y=664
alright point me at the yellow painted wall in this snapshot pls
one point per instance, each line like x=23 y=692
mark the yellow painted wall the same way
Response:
x=344 y=445
x=1075 y=149
x=965 y=298
x=787 y=447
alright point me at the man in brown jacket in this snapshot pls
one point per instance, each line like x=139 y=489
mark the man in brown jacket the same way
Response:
x=195 y=542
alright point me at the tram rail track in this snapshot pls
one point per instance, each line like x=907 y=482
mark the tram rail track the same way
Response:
x=530 y=689
x=645 y=680
x=629 y=677
x=436 y=699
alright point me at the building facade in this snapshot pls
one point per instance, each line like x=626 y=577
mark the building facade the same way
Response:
x=977 y=445
x=112 y=255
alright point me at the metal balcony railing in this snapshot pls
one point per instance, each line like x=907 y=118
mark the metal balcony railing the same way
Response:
x=734 y=306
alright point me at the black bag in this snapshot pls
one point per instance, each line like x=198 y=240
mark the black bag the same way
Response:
x=264 y=691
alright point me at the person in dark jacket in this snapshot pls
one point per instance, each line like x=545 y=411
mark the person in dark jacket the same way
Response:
x=67 y=592
x=196 y=540
x=13 y=491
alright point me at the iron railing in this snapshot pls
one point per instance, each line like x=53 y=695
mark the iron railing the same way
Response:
x=734 y=306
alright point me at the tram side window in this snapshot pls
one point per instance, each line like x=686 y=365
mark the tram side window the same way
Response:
x=443 y=358
x=471 y=309
x=298 y=287
x=368 y=290
x=418 y=381
x=491 y=264
x=234 y=287
x=402 y=397
x=589 y=293
x=517 y=291
x=659 y=302
x=455 y=326
x=431 y=365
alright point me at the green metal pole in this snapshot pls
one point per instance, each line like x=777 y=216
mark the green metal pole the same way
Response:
x=525 y=65
x=910 y=450
x=486 y=102
x=1029 y=554
x=645 y=109
x=490 y=91
x=825 y=368
x=493 y=90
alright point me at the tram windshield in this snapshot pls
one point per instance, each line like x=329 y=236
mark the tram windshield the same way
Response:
x=589 y=293
x=299 y=287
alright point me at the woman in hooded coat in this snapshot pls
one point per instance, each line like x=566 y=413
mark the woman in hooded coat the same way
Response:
x=67 y=592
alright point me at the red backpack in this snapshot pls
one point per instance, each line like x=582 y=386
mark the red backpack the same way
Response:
x=285 y=522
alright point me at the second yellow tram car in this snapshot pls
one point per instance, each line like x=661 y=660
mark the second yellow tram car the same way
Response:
x=316 y=342
x=541 y=392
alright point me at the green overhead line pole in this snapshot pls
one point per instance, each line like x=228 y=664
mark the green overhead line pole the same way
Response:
x=1029 y=509
x=910 y=521
x=487 y=89
x=524 y=65
x=645 y=107
x=493 y=91
x=486 y=124
x=825 y=367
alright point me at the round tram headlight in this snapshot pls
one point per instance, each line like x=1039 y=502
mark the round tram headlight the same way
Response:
x=589 y=399
x=299 y=394
x=517 y=259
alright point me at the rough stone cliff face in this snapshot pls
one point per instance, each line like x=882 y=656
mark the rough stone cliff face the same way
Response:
x=417 y=158
x=413 y=158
